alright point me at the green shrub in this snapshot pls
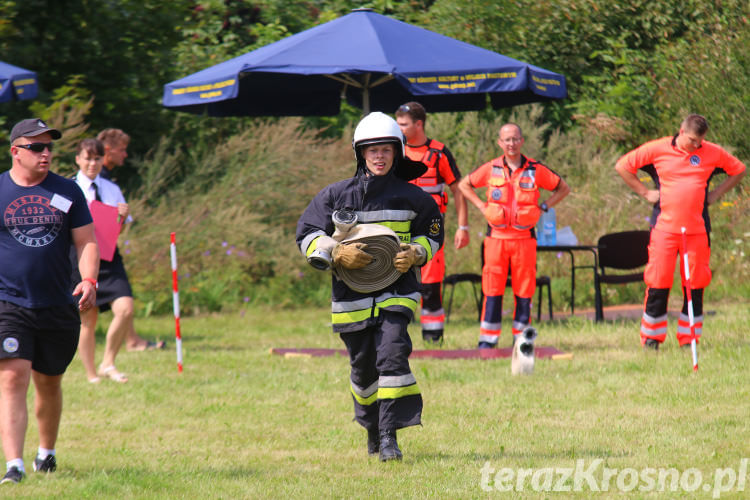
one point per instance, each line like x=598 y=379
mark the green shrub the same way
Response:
x=233 y=206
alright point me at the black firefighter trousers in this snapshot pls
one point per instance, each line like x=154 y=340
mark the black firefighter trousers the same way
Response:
x=385 y=393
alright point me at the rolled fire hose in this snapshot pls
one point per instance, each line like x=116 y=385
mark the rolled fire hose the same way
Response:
x=382 y=243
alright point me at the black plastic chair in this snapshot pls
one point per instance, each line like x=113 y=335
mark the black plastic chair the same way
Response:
x=452 y=280
x=626 y=250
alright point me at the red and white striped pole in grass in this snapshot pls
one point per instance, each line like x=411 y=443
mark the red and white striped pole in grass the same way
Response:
x=691 y=316
x=176 y=301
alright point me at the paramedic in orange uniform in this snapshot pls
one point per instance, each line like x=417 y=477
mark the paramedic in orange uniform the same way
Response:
x=512 y=209
x=441 y=170
x=683 y=166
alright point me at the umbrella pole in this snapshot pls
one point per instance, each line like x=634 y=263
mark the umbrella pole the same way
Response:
x=366 y=95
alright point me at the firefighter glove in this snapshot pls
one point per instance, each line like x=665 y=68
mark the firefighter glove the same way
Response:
x=351 y=256
x=409 y=255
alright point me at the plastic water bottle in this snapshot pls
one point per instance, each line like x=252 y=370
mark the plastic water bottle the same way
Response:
x=548 y=233
x=540 y=241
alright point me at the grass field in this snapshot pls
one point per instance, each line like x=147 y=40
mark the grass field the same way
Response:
x=242 y=423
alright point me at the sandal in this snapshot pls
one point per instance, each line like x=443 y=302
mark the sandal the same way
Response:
x=111 y=373
x=94 y=380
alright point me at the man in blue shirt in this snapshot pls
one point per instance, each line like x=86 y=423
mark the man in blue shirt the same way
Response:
x=42 y=215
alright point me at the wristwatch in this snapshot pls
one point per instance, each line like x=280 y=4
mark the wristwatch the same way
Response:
x=93 y=282
x=544 y=206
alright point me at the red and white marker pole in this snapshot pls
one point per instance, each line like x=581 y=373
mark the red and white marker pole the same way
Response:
x=176 y=301
x=691 y=316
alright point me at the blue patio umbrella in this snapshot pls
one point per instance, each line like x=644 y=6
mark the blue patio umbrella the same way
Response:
x=374 y=62
x=16 y=83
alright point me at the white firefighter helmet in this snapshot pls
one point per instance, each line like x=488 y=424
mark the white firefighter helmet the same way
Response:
x=377 y=128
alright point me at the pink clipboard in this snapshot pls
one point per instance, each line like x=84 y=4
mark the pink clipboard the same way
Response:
x=106 y=227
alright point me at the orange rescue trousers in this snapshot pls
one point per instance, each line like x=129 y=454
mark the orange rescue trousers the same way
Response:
x=432 y=317
x=500 y=256
x=663 y=249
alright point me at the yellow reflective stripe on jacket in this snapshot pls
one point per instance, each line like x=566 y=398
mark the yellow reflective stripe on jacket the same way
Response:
x=397 y=226
x=310 y=243
x=351 y=316
x=312 y=246
x=425 y=243
x=362 y=309
x=397 y=392
x=398 y=221
x=399 y=301
x=402 y=229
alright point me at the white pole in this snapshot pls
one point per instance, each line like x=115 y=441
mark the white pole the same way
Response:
x=176 y=301
x=691 y=316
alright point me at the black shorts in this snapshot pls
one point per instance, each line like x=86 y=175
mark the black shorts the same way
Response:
x=113 y=280
x=48 y=337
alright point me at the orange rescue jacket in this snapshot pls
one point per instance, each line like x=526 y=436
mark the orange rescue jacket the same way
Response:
x=429 y=180
x=512 y=199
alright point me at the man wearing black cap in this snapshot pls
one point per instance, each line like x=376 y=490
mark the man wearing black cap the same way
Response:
x=43 y=215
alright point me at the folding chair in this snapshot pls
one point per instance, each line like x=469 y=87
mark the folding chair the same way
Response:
x=453 y=279
x=625 y=250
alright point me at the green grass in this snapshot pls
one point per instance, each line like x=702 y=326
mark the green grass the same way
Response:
x=242 y=423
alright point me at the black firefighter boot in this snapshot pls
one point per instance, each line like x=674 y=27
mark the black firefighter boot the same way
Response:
x=388 y=446
x=373 y=442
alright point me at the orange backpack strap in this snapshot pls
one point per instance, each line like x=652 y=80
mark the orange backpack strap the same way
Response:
x=434 y=151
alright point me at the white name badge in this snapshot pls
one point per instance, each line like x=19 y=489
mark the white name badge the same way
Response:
x=60 y=203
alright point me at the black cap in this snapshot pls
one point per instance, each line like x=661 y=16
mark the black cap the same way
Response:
x=31 y=127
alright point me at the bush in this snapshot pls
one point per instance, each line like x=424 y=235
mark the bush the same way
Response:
x=234 y=213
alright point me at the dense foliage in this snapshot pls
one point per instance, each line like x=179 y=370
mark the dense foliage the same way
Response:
x=634 y=68
x=641 y=63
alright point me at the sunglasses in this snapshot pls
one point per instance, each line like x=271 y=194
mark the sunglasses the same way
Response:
x=404 y=108
x=37 y=147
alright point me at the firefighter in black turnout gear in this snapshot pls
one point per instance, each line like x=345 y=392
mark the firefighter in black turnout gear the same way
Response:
x=373 y=324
